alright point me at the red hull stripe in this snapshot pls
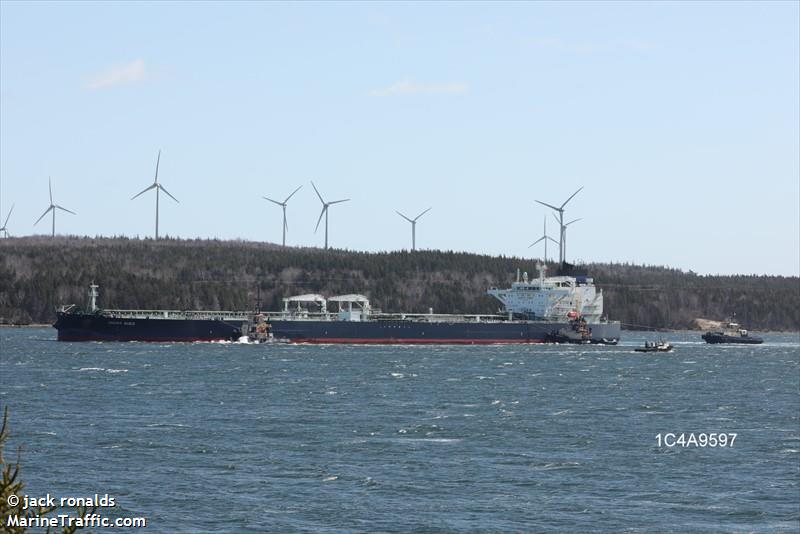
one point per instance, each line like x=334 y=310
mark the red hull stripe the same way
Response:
x=414 y=341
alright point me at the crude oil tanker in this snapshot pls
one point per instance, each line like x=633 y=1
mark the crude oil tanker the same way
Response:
x=566 y=309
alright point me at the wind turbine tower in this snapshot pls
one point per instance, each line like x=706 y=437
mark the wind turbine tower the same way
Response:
x=283 y=205
x=564 y=233
x=413 y=226
x=544 y=238
x=325 y=206
x=4 y=229
x=158 y=187
x=53 y=207
x=561 y=248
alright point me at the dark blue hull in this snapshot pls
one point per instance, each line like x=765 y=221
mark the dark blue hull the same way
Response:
x=403 y=332
x=98 y=327
x=719 y=337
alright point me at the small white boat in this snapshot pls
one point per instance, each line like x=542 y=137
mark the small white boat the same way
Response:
x=655 y=346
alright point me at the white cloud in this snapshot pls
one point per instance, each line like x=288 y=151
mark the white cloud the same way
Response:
x=408 y=87
x=117 y=75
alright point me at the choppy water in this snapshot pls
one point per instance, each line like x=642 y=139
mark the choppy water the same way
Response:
x=247 y=438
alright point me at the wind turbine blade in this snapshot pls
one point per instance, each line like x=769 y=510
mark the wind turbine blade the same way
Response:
x=423 y=213
x=50 y=185
x=285 y=225
x=43 y=214
x=275 y=201
x=65 y=209
x=315 y=189
x=570 y=198
x=572 y=221
x=403 y=216
x=325 y=207
x=157 y=162
x=553 y=240
x=556 y=218
x=529 y=246
x=8 y=216
x=167 y=192
x=144 y=191
x=338 y=201
x=290 y=196
x=548 y=205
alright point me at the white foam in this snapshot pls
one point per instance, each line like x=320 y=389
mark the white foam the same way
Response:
x=434 y=440
x=402 y=375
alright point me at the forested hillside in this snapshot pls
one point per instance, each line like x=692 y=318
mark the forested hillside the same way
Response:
x=37 y=274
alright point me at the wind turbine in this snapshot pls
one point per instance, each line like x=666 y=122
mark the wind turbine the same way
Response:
x=283 y=205
x=544 y=237
x=564 y=234
x=52 y=208
x=413 y=226
x=561 y=249
x=158 y=187
x=4 y=229
x=325 y=206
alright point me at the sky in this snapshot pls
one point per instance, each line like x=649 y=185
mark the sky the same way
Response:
x=680 y=120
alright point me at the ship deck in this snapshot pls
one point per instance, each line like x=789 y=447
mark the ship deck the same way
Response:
x=178 y=315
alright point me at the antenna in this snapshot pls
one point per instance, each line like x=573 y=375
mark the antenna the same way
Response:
x=53 y=207
x=158 y=187
x=414 y=226
x=544 y=238
x=325 y=206
x=4 y=229
x=283 y=205
x=562 y=252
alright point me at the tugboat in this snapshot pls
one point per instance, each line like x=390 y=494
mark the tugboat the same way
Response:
x=578 y=332
x=260 y=331
x=731 y=333
x=655 y=346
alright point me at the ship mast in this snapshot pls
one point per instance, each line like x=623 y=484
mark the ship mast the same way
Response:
x=93 y=296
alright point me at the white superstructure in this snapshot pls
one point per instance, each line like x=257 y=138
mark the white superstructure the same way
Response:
x=348 y=312
x=554 y=298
